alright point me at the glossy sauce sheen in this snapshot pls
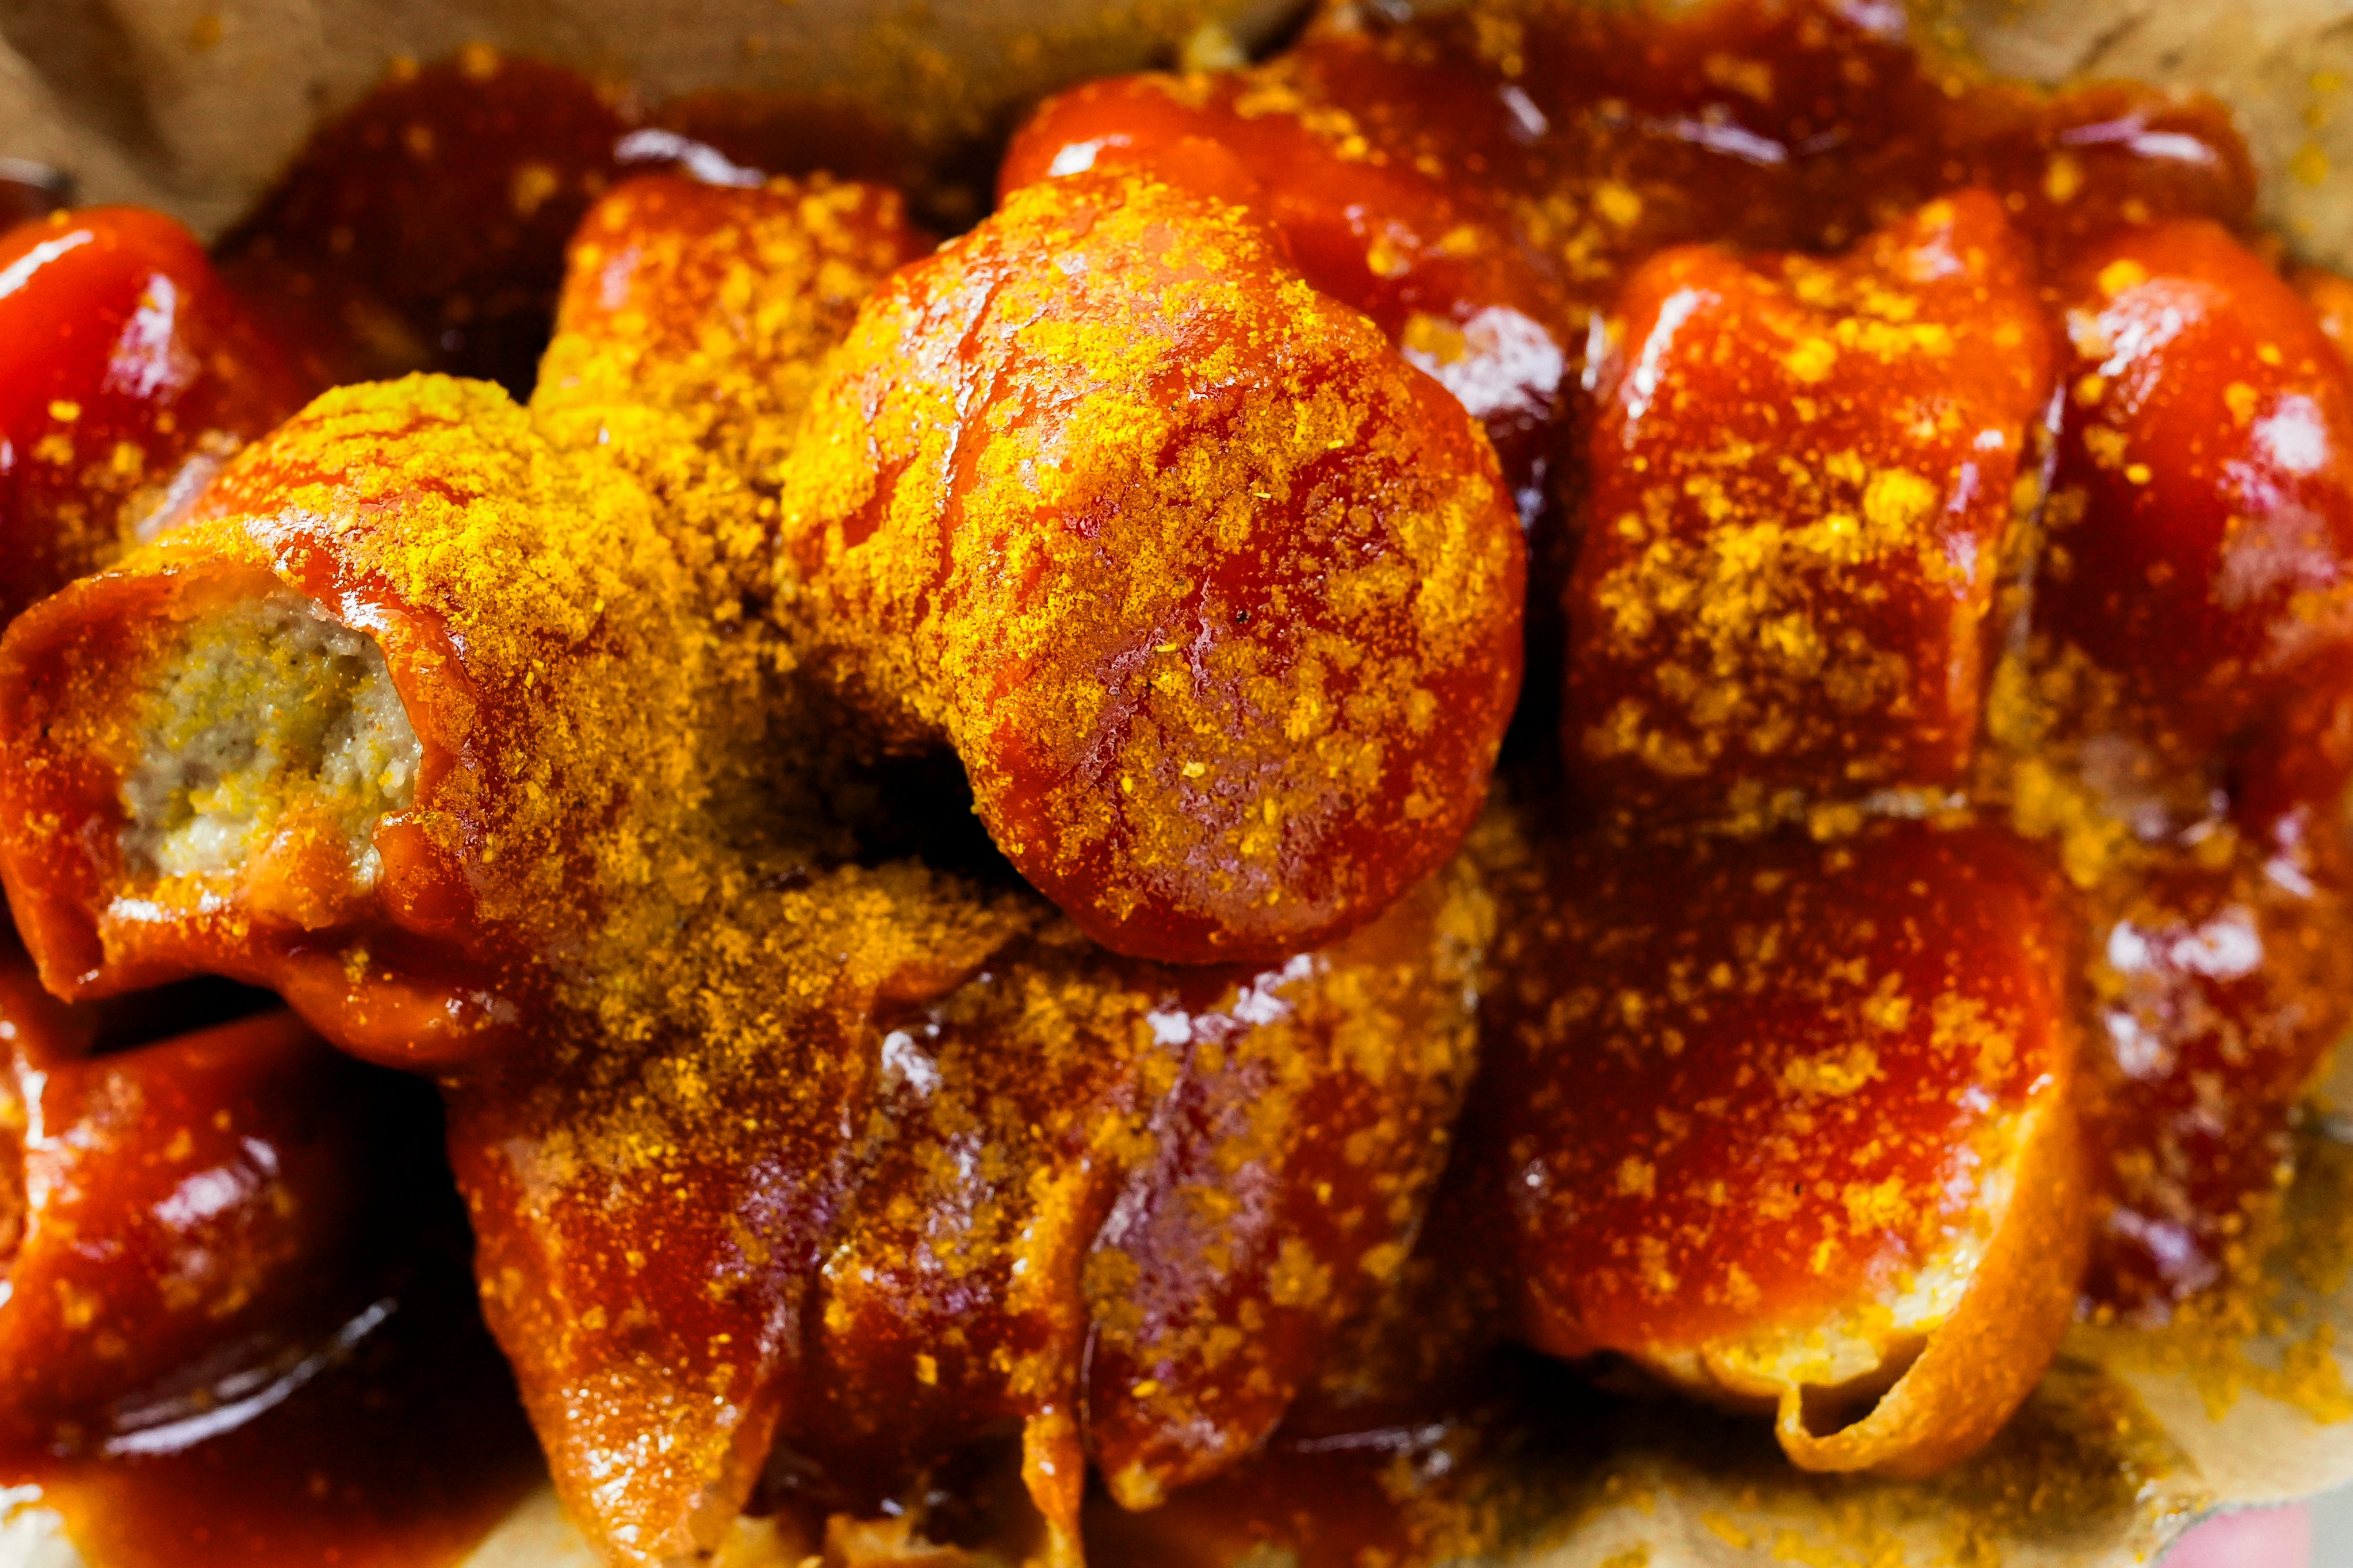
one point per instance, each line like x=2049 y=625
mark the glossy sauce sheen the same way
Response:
x=399 y=968
x=2206 y=414
x=1033 y=1195
x=240 y=1325
x=1537 y=162
x=404 y=1452
x=1816 y=1035
x=426 y=227
x=1188 y=565
x=1824 y=455
x=1484 y=196
x=1482 y=185
x=128 y=373
x=1592 y=142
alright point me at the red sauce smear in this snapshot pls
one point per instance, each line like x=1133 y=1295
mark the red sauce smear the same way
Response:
x=1483 y=202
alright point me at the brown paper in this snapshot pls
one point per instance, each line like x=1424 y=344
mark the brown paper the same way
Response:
x=191 y=105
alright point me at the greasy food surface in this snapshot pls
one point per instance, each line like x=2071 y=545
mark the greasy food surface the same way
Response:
x=231 y=1253
x=1432 y=261
x=1480 y=181
x=2202 y=528
x=2176 y=726
x=538 y=812
x=1801 y=608
x=128 y=374
x=921 y=786
x=1004 y=1181
x=1216 y=597
x=1800 y=504
x=1772 y=1114
x=689 y=336
x=194 y=1201
x=459 y=734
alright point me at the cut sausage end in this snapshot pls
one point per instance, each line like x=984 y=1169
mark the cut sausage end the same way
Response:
x=268 y=731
